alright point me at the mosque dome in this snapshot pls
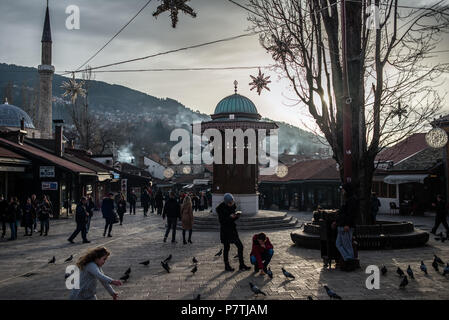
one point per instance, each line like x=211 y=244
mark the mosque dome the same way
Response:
x=10 y=116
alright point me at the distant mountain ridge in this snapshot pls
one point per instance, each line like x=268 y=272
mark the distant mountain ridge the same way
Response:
x=121 y=103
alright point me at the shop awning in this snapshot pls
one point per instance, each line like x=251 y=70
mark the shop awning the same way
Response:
x=405 y=178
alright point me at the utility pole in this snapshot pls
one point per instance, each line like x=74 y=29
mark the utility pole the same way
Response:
x=347 y=116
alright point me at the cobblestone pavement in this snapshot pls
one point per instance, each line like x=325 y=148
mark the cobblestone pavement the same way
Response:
x=26 y=274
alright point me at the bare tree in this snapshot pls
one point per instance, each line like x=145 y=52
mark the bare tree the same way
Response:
x=392 y=89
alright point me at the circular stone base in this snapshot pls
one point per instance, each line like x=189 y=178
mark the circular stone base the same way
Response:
x=382 y=235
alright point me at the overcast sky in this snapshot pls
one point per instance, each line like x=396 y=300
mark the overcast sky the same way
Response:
x=21 y=31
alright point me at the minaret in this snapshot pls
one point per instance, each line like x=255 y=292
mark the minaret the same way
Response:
x=46 y=71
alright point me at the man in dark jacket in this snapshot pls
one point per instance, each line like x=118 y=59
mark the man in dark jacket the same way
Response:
x=172 y=211
x=441 y=212
x=159 y=202
x=45 y=211
x=3 y=208
x=81 y=218
x=132 y=202
x=346 y=223
x=228 y=231
x=145 y=199
x=261 y=253
x=107 y=209
x=90 y=207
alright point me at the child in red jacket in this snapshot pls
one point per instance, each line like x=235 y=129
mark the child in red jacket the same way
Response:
x=261 y=253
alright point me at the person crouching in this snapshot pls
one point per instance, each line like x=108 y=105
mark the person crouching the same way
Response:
x=261 y=253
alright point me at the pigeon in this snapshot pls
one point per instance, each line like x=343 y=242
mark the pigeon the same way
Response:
x=255 y=289
x=198 y=297
x=168 y=258
x=128 y=271
x=69 y=258
x=145 y=263
x=404 y=282
x=438 y=260
x=410 y=272
x=423 y=267
x=52 y=260
x=309 y=298
x=194 y=260
x=125 y=277
x=270 y=273
x=287 y=274
x=195 y=269
x=165 y=266
x=446 y=270
x=332 y=294
x=400 y=272
x=435 y=266
x=384 y=270
x=219 y=253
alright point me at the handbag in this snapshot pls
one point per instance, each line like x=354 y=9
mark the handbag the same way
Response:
x=116 y=218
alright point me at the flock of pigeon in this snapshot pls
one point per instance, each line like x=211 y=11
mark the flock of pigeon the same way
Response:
x=256 y=290
x=435 y=264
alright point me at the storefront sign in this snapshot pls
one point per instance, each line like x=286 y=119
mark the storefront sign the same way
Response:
x=47 y=172
x=53 y=186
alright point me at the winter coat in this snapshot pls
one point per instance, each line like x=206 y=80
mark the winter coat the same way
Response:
x=81 y=214
x=3 y=210
x=375 y=204
x=159 y=200
x=90 y=206
x=13 y=213
x=348 y=213
x=132 y=198
x=145 y=199
x=203 y=202
x=440 y=209
x=187 y=217
x=172 y=209
x=45 y=210
x=28 y=215
x=121 y=207
x=257 y=250
x=107 y=209
x=228 y=228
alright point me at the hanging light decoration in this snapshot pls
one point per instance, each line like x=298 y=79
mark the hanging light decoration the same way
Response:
x=174 y=6
x=260 y=82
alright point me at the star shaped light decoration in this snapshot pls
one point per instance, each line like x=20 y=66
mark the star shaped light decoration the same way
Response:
x=73 y=89
x=174 y=6
x=280 y=48
x=260 y=82
x=399 y=112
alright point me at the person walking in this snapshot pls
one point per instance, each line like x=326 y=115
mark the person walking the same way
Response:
x=107 y=209
x=35 y=205
x=441 y=212
x=187 y=219
x=45 y=211
x=145 y=199
x=121 y=208
x=90 y=207
x=227 y=216
x=346 y=222
x=375 y=205
x=28 y=217
x=261 y=253
x=152 y=201
x=172 y=212
x=195 y=202
x=203 y=202
x=19 y=214
x=90 y=265
x=81 y=218
x=159 y=202
x=3 y=214
x=132 y=202
x=11 y=214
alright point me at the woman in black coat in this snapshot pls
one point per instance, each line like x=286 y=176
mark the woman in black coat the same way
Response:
x=227 y=216
x=28 y=217
x=107 y=208
x=121 y=208
x=11 y=218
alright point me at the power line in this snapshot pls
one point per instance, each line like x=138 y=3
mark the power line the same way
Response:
x=185 y=69
x=168 y=52
x=107 y=43
x=401 y=6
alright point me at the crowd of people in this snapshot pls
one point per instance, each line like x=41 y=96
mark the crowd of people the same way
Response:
x=15 y=214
